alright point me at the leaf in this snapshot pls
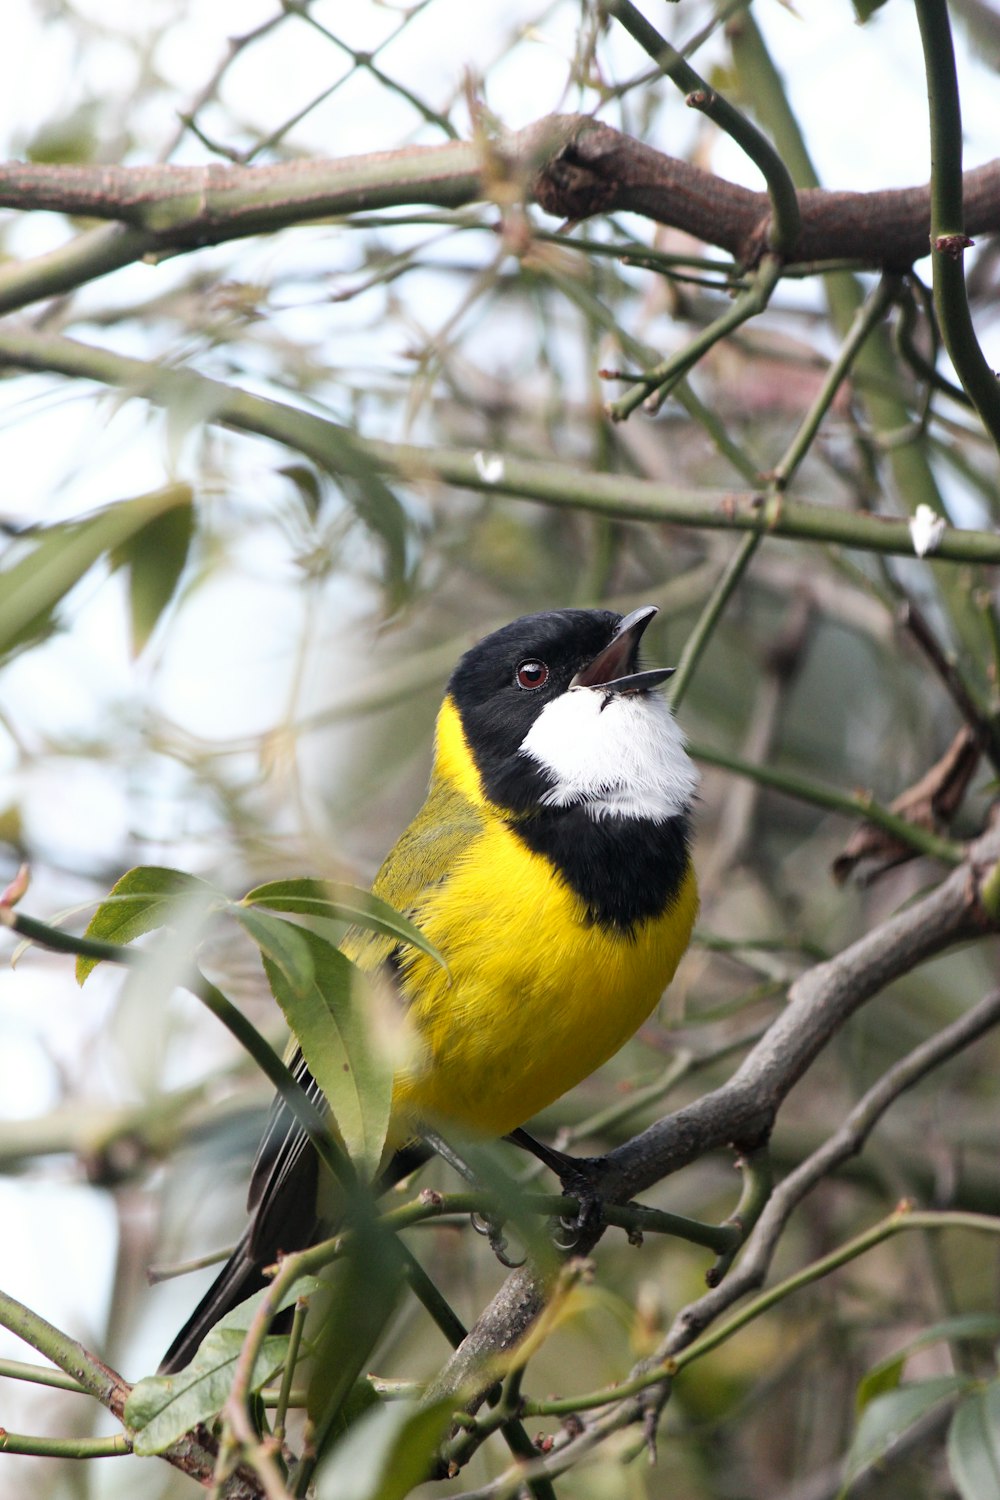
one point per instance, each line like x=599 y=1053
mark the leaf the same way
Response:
x=142 y=900
x=345 y=903
x=883 y=1377
x=974 y=1444
x=334 y=1018
x=887 y=1418
x=887 y=1374
x=59 y=556
x=359 y=1300
x=307 y=482
x=154 y=556
x=865 y=9
x=386 y=1454
x=162 y=1408
x=281 y=943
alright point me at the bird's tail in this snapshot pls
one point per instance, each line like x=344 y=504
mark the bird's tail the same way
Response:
x=294 y=1227
x=240 y=1277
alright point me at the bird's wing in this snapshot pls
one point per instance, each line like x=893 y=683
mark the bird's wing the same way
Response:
x=283 y=1182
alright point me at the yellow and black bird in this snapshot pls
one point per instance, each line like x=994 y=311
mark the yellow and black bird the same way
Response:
x=550 y=866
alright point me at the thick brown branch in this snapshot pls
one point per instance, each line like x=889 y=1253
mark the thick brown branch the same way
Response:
x=575 y=166
x=600 y=170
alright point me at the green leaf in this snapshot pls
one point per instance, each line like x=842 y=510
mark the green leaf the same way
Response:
x=345 y=903
x=865 y=9
x=974 y=1444
x=142 y=900
x=282 y=943
x=350 y=1317
x=307 y=482
x=154 y=556
x=887 y=1374
x=162 y=1408
x=335 y=1020
x=882 y=1377
x=386 y=1454
x=887 y=1418
x=59 y=556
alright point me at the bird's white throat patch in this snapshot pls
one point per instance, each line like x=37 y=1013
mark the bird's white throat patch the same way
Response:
x=621 y=755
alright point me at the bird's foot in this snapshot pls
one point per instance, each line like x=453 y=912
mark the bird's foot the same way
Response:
x=493 y=1230
x=580 y=1177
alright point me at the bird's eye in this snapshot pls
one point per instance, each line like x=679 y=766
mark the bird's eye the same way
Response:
x=531 y=674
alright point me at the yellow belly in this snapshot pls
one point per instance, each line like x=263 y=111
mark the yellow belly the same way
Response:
x=535 y=997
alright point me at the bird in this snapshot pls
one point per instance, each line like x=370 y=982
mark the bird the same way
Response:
x=550 y=865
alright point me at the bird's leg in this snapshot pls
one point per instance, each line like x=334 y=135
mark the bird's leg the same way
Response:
x=481 y=1223
x=580 y=1177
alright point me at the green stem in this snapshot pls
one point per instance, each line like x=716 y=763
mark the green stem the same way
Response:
x=616 y=495
x=18 y=1369
x=903 y=1219
x=758 y=1181
x=288 y=1374
x=703 y=631
x=595 y=310
x=948 y=237
x=867 y=317
x=657 y=383
x=786 y=219
x=432 y=1299
x=851 y=805
x=91 y=1376
x=877 y=371
x=68 y=1447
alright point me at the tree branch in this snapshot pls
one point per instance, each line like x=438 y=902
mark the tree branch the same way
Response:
x=572 y=165
x=620 y=496
x=742 y=1110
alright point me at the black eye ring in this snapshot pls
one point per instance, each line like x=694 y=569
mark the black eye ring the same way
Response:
x=531 y=674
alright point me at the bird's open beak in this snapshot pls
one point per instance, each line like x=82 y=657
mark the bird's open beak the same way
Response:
x=609 y=669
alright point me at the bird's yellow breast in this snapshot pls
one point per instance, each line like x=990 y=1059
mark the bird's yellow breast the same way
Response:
x=536 y=995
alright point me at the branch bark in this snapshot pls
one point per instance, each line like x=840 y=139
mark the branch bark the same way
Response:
x=572 y=165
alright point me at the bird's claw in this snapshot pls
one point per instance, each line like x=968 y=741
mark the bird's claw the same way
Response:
x=493 y=1230
x=580 y=1178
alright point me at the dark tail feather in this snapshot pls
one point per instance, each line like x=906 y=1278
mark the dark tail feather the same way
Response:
x=242 y=1275
x=239 y=1278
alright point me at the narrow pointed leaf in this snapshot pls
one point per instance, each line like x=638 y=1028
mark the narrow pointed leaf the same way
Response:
x=974 y=1444
x=889 y=1417
x=59 y=556
x=345 y=903
x=334 y=1020
x=154 y=557
x=142 y=900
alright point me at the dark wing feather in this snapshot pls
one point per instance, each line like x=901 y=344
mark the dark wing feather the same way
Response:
x=282 y=1198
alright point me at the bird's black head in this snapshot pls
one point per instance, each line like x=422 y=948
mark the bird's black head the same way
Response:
x=505 y=682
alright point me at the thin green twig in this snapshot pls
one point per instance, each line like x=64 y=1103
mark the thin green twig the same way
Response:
x=786 y=218
x=702 y=633
x=851 y=804
x=948 y=237
x=67 y=1447
x=656 y=384
x=868 y=316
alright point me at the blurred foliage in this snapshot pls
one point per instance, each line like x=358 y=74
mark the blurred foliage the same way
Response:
x=244 y=687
